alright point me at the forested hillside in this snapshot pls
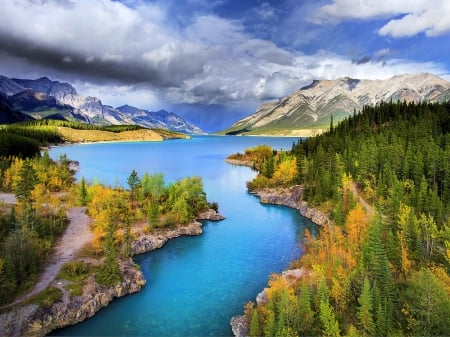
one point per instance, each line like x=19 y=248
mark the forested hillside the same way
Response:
x=381 y=269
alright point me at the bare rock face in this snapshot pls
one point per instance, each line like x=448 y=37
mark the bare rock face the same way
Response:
x=239 y=326
x=148 y=242
x=211 y=215
x=293 y=197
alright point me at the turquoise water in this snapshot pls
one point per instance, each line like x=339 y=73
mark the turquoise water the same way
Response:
x=195 y=284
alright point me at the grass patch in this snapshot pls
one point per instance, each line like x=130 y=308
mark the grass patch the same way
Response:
x=75 y=272
x=74 y=288
x=47 y=297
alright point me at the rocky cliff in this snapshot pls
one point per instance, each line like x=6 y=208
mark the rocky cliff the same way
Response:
x=148 y=242
x=293 y=197
x=32 y=320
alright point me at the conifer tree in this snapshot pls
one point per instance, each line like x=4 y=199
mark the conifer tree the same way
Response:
x=365 y=311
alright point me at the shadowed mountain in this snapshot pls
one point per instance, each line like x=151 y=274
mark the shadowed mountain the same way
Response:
x=44 y=98
x=8 y=114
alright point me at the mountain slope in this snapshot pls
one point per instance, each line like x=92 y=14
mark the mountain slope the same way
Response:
x=160 y=119
x=8 y=114
x=309 y=110
x=44 y=98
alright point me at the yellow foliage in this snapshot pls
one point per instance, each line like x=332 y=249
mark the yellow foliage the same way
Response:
x=356 y=223
x=286 y=171
x=277 y=283
x=339 y=292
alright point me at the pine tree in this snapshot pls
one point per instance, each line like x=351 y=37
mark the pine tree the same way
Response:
x=305 y=315
x=330 y=326
x=83 y=193
x=134 y=182
x=365 y=311
x=27 y=180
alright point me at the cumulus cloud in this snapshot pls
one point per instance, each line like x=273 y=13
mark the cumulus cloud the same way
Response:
x=135 y=52
x=433 y=22
x=416 y=16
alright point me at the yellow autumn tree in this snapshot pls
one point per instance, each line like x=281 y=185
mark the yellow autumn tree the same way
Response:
x=356 y=223
x=285 y=172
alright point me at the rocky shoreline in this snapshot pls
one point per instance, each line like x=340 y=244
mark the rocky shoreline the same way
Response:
x=291 y=197
x=34 y=321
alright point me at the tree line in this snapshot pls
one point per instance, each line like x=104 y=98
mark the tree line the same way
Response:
x=382 y=270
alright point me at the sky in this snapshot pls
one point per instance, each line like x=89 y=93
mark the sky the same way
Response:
x=214 y=62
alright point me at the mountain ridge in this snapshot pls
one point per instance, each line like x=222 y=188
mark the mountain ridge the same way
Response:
x=308 y=110
x=45 y=98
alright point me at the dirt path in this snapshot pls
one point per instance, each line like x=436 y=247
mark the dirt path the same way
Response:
x=364 y=203
x=74 y=238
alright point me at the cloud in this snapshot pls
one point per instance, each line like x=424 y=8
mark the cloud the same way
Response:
x=136 y=52
x=383 y=53
x=265 y=11
x=432 y=22
x=362 y=60
x=417 y=16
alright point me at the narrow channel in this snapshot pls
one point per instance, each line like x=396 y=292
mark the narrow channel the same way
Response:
x=195 y=284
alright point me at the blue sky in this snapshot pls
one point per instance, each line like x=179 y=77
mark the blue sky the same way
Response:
x=213 y=62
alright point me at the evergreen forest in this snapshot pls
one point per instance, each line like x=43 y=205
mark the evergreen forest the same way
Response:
x=382 y=268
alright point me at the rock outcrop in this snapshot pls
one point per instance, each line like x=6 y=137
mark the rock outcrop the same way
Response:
x=148 y=242
x=210 y=215
x=239 y=326
x=293 y=197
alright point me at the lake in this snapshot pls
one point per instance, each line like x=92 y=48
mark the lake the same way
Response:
x=194 y=284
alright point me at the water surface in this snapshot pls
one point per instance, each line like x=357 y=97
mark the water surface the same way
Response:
x=195 y=284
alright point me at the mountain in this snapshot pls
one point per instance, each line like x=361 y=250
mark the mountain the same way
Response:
x=309 y=110
x=44 y=98
x=160 y=119
x=8 y=114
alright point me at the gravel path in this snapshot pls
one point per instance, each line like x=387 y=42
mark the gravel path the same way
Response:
x=74 y=238
x=364 y=203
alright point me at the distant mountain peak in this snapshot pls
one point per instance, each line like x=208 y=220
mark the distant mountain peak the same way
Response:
x=44 y=95
x=309 y=109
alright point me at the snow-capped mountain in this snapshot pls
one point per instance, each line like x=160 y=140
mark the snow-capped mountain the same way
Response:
x=310 y=108
x=44 y=98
